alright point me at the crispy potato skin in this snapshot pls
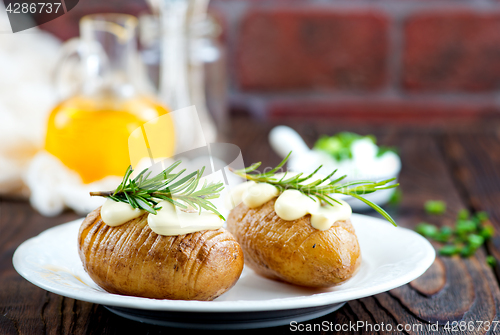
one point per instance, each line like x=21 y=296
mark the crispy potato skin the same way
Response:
x=294 y=251
x=131 y=259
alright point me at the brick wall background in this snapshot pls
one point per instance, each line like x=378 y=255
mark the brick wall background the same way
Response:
x=418 y=61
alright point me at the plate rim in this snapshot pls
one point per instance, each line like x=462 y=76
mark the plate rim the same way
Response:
x=319 y=299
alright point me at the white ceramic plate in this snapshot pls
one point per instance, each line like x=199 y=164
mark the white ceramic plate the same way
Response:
x=392 y=256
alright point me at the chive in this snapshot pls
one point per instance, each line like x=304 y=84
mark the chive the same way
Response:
x=444 y=234
x=475 y=240
x=487 y=232
x=482 y=216
x=426 y=229
x=468 y=235
x=449 y=250
x=435 y=207
x=468 y=251
x=463 y=214
x=465 y=227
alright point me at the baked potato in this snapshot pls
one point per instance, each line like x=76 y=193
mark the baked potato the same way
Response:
x=294 y=251
x=131 y=259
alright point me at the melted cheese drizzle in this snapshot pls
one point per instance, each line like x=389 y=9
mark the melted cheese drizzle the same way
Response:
x=291 y=204
x=169 y=220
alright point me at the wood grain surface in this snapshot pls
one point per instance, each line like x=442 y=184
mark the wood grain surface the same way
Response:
x=459 y=167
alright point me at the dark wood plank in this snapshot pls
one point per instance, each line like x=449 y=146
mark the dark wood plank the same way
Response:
x=24 y=308
x=453 y=289
x=475 y=163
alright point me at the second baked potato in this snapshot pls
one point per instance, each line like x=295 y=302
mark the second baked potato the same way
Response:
x=294 y=251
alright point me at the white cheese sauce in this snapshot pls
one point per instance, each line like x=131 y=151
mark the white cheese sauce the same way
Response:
x=117 y=213
x=292 y=205
x=169 y=220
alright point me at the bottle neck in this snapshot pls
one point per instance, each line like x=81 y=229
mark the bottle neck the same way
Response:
x=111 y=55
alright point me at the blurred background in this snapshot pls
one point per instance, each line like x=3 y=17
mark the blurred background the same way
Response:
x=403 y=61
x=408 y=64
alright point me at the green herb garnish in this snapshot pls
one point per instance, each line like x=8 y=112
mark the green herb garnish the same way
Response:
x=320 y=188
x=339 y=145
x=427 y=230
x=145 y=192
x=435 y=207
x=468 y=234
x=449 y=250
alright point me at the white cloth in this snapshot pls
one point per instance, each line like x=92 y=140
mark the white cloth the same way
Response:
x=54 y=187
x=26 y=98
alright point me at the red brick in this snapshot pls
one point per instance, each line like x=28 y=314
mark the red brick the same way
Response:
x=294 y=49
x=452 y=51
x=385 y=111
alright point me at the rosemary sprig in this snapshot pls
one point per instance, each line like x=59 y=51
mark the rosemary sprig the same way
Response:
x=145 y=192
x=320 y=188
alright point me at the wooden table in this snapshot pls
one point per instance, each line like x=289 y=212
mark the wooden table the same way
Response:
x=460 y=165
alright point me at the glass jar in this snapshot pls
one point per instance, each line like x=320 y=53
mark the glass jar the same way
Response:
x=88 y=131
